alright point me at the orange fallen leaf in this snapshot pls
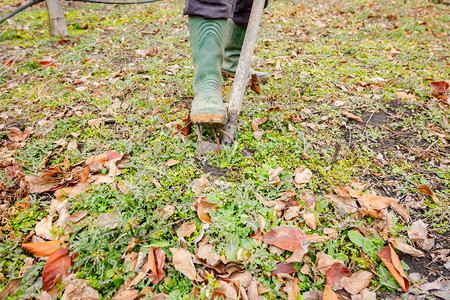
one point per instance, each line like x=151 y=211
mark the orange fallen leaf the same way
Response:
x=329 y=294
x=63 y=192
x=351 y=116
x=156 y=259
x=423 y=188
x=392 y=262
x=57 y=264
x=286 y=237
x=42 y=249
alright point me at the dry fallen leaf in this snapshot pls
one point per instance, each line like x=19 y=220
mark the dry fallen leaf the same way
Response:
x=403 y=95
x=172 y=162
x=56 y=265
x=42 y=249
x=427 y=191
x=207 y=253
x=392 y=262
x=124 y=293
x=274 y=176
x=182 y=261
x=203 y=207
x=283 y=268
x=419 y=233
x=440 y=86
x=255 y=123
x=357 y=282
x=199 y=184
x=302 y=176
x=329 y=294
x=351 y=116
x=405 y=248
x=347 y=204
x=325 y=261
x=186 y=229
x=335 y=274
x=41 y=184
x=78 y=289
x=310 y=220
x=286 y=237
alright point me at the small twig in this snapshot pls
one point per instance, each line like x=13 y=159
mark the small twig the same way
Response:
x=337 y=148
x=217 y=140
x=168 y=225
x=367 y=123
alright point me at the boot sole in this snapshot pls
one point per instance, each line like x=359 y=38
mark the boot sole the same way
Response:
x=210 y=120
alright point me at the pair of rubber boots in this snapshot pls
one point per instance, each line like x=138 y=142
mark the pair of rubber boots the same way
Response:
x=216 y=47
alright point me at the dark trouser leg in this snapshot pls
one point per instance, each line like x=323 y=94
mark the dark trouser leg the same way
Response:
x=210 y=9
x=242 y=12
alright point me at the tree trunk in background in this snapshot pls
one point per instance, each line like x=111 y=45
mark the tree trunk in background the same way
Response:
x=56 y=18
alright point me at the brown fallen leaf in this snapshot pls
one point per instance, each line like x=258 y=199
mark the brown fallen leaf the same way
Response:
x=11 y=287
x=76 y=217
x=42 y=249
x=392 y=262
x=63 y=192
x=283 y=268
x=298 y=254
x=405 y=248
x=274 y=176
x=440 y=86
x=182 y=261
x=427 y=191
x=203 y=207
x=207 y=252
x=345 y=203
x=199 y=184
x=95 y=122
x=172 y=162
x=329 y=294
x=401 y=210
x=335 y=274
x=78 y=289
x=419 y=233
x=351 y=116
x=186 y=229
x=292 y=288
x=286 y=237
x=357 y=282
x=370 y=201
x=325 y=261
x=255 y=123
x=135 y=280
x=56 y=265
x=302 y=176
x=315 y=238
x=310 y=220
x=254 y=84
x=41 y=184
x=403 y=95
x=124 y=293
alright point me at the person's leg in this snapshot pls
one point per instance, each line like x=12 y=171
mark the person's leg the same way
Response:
x=207 y=20
x=234 y=39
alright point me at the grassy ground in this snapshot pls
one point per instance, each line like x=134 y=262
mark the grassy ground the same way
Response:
x=131 y=66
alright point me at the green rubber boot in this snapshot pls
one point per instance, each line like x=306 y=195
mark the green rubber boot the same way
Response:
x=206 y=37
x=234 y=38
